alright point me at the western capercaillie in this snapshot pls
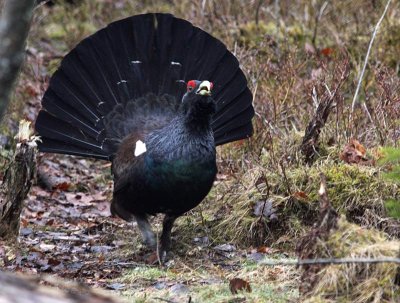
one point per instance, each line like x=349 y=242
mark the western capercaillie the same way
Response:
x=126 y=94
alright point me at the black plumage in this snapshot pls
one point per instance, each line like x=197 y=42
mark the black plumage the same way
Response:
x=124 y=95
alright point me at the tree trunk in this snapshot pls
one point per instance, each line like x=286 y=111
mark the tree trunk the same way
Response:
x=17 y=183
x=14 y=27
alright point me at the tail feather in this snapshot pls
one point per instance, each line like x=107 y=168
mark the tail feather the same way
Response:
x=241 y=132
x=94 y=98
x=73 y=68
x=72 y=116
x=59 y=147
x=57 y=129
x=225 y=71
x=96 y=69
x=237 y=85
x=242 y=119
x=233 y=111
x=64 y=94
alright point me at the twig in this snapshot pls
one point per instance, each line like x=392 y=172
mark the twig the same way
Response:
x=323 y=261
x=366 y=61
x=260 y=3
x=164 y=300
x=309 y=145
x=317 y=19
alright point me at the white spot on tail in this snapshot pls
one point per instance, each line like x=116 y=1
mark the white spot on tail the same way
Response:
x=122 y=81
x=140 y=148
x=136 y=62
x=175 y=63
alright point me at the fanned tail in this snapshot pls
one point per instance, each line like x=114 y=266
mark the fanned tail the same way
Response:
x=106 y=76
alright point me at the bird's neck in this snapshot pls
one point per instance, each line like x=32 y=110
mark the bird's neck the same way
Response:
x=196 y=119
x=196 y=125
x=185 y=138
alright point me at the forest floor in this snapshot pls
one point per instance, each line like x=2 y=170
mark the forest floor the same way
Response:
x=265 y=198
x=67 y=230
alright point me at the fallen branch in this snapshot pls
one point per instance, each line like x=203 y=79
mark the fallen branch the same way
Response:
x=27 y=289
x=323 y=261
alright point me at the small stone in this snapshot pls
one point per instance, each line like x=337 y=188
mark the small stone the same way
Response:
x=225 y=247
x=179 y=289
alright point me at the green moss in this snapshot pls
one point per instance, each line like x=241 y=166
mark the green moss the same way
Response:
x=260 y=293
x=389 y=155
x=145 y=273
x=252 y=34
x=393 y=208
x=353 y=190
x=390 y=161
x=55 y=31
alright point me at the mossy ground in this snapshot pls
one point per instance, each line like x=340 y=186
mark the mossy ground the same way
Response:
x=289 y=55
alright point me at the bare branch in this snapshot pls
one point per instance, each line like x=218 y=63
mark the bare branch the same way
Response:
x=309 y=146
x=323 y=261
x=14 y=28
x=366 y=61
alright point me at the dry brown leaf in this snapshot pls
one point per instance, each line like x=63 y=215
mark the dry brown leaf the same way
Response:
x=263 y=249
x=237 y=284
x=300 y=195
x=354 y=152
x=64 y=186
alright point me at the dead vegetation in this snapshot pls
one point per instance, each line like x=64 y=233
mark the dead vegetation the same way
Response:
x=299 y=57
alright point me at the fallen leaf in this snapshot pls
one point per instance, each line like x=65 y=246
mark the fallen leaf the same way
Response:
x=237 y=284
x=32 y=90
x=239 y=143
x=354 y=153
x=225 y=247
x=327 y=51
x=63 y=186
x=151 y=258
x=265 y=208
x=300 y=195
x=263 y=249
x=46 y=247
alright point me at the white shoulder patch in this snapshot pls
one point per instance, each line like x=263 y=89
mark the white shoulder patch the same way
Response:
x=140 y=148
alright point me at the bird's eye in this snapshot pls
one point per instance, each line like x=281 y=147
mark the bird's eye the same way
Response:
x=191 y=85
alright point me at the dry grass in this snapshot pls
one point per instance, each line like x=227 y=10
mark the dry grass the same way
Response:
x=357 y=282
x=291 y=189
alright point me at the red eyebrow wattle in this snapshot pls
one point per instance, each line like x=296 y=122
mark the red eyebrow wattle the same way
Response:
x=191 y=84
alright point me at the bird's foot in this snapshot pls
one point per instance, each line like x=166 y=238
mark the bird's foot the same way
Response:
x=164 y=255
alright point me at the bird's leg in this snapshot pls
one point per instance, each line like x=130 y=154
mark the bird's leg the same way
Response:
x=165 y=242
x=147 y=233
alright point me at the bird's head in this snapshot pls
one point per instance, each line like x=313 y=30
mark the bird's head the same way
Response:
x=197 y=100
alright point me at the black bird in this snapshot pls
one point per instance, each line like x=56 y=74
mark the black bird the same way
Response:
x=118 y=95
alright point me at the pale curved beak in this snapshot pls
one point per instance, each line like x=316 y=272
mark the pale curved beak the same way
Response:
x=204 y=88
